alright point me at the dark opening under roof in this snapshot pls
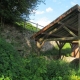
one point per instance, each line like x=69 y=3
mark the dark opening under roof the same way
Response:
x=65 y=27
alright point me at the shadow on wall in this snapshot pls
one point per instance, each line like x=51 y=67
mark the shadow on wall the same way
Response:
x=48 y=45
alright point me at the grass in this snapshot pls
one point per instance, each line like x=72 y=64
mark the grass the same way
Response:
x=27 y=26
x=66 y=50
x=67 y=45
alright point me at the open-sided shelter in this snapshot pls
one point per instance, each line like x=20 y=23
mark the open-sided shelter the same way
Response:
x=66 y=28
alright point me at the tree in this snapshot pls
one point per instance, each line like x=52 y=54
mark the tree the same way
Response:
x=13 y=10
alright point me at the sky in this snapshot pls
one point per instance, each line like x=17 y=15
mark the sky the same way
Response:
x=51 y=10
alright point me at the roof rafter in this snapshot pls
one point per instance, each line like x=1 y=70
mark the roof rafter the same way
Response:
x=67 y=29
x=48 y=34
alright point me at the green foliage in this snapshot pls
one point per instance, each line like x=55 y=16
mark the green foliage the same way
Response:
x=11 y=65
x=38 y=68
x=66 y=50
x=4 y=78
x=60 y=70
x=14 y=67
x=35 y=68
x=27 y=26
x=11 y=11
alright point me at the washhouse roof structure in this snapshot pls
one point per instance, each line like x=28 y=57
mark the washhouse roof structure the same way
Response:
x=65 y=28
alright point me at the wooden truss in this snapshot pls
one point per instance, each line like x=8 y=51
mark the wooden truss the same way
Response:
x=64 y=29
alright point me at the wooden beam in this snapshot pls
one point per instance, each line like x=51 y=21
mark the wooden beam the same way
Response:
x=71 y=27
x=60 y=45
x=69 y=31
x=72 y=19
x=65 y=27
x=62 y=39
x=54 y=30
x=39 y=44
x=54 y=35
x=48 y=34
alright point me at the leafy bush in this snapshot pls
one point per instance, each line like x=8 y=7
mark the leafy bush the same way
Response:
x=38 y=68
x=59 y=70
x=10 y=62
x=14 y=67
x=35 y=68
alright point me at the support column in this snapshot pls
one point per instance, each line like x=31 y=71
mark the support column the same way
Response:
x=60 y=45
x=39 y=45
x=74 y=49
x=79 y=37
x=79 y=53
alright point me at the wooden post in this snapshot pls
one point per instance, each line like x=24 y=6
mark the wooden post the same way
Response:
x=39 y=45
x=60 y=48
x=79 y=37
x=79 y=53
x=60 y=45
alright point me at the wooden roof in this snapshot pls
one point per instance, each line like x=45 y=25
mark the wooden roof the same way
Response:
x=65 y=27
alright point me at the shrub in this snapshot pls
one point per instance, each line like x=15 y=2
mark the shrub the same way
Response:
x=35 y=68
x=14 y=67
x=10 y=62
x=59 y=70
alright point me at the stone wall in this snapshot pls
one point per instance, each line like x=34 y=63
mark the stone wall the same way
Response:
x=48 y=45
x=20 y=39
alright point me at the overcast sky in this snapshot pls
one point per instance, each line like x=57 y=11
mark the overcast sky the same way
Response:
x=52 y=9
